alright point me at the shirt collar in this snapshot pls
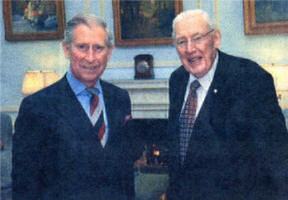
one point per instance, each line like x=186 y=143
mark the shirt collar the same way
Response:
x=77 y=86
x=206 y=80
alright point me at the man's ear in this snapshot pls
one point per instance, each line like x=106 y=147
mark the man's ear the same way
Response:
x=217 y=38
x=66 y=49
x=110 y=51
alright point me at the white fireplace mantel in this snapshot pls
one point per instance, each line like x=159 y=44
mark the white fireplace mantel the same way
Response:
x=149 y=98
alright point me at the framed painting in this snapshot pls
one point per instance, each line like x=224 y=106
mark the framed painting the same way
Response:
x=265 y=17
x=33 y=19
x=146 y=22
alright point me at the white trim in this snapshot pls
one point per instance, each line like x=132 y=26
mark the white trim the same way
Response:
x=164 y=63
x=87 y=6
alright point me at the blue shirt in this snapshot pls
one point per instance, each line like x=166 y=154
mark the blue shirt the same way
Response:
x=84 y=97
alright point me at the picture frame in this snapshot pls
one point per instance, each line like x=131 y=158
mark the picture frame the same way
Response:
x=151 y=22
x=265 y=17
x=33 y=20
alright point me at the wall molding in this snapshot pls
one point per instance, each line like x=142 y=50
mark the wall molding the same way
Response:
x=216 y=13
x=102 y=8
x=87 y=6
x=198 y=4
x=163 y=63
x=163 y=85
x=10 y=109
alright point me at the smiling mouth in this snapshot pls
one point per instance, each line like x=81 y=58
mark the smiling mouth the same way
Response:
x=191 y=60
x=89 y=67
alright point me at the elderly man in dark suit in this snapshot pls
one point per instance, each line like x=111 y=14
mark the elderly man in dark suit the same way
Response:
x=69 y=141
x=227 y=135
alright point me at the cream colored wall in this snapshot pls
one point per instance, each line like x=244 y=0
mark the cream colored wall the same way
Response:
x=280 y=76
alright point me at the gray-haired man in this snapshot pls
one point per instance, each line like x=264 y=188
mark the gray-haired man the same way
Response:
x=69 y=141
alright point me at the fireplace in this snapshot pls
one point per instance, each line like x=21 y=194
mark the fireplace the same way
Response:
x=150 y=105
x=150 y=135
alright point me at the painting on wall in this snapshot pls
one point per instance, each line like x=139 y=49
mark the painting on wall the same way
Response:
x=266 y=17
x=33 y=19
x=146 y=22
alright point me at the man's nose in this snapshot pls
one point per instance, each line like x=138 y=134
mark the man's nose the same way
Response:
x=191 y=46
x=90 y=55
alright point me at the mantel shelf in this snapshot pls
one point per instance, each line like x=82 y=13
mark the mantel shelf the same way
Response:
x=149 y=97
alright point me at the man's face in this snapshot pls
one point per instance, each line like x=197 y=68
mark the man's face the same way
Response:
x=196 y=45
x=88 y=53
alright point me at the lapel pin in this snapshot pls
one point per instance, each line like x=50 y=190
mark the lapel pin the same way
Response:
x=215 y=91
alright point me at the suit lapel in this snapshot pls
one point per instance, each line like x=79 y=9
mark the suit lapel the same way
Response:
x=181 y=92
x=214 y=94
x=217 y=93
x=110 y=110
x=70 y=108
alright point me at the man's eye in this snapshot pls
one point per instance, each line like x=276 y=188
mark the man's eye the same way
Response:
x=197 y=38
x=98 y=48
x=182 y=42
x=82 y=47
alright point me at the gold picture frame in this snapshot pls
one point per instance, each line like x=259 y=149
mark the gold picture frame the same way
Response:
x=33 y=20
x=144 y=22
x=265 y=17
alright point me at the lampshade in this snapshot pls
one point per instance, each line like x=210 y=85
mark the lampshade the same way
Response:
x=36 y=80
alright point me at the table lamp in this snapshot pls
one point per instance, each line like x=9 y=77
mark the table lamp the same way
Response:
x=38 y=79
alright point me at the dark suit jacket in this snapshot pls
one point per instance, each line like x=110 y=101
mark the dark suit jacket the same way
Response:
x=56 y=152
x=238 y=146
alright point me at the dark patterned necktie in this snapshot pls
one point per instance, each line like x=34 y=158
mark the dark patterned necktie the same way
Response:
x=187 y=119
x=94 y=101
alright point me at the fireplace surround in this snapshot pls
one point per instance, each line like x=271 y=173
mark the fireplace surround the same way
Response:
x=149 y=98
x=150 y=104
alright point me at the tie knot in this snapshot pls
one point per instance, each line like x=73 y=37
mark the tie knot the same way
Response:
x=94 y=100
x=93 y=91
x=195 y=85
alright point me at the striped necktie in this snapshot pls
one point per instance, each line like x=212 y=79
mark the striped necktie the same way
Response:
x=187 y=119
x=96 y=111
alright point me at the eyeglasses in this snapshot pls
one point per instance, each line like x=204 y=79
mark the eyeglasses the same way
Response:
x=183 y=42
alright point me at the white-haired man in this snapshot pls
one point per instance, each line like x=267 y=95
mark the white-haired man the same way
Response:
x=226 y=133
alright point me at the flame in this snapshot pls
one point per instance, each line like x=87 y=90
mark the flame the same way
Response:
x=156 y=153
